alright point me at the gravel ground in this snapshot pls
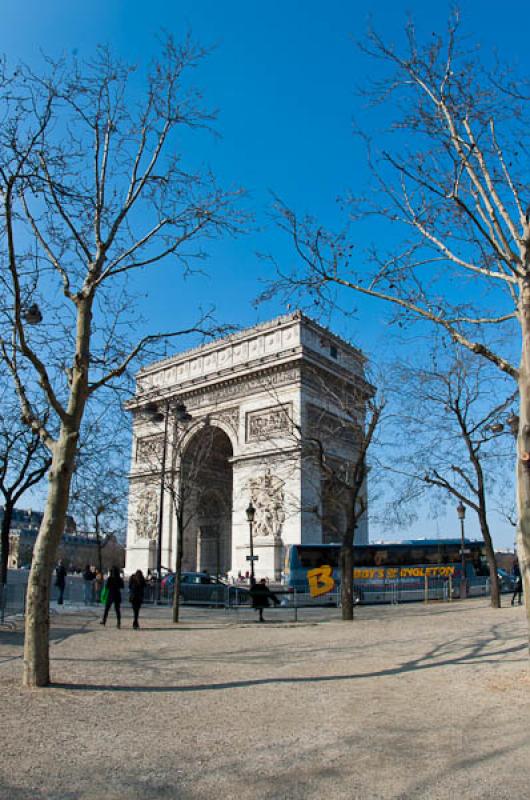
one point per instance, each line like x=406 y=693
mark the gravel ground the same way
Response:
x=407 y=702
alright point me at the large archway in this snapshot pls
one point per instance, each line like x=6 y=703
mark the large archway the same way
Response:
x=206 y=496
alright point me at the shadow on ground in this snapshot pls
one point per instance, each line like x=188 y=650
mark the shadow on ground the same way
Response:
x=484 y=649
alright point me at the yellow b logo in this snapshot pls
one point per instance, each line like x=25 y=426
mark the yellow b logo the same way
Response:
x=321 y=581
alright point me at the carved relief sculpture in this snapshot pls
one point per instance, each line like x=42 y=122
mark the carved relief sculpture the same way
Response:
x=147 y=515
x=268 y=497
x=268 y=422
x=149 y=449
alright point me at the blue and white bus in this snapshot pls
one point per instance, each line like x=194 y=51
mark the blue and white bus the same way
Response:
x=403 y=570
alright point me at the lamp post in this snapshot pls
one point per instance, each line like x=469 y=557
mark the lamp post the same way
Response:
x=160 y=416
x=251 y=513
x=461 y=511
x=99 y=510
x=181 y=414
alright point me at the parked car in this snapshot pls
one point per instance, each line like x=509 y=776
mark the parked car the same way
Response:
x=203 y=588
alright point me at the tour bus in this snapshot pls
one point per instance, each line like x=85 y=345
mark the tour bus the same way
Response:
x=393 y=572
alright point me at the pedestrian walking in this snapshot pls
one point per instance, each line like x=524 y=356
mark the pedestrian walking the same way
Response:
x=518 y=584
x=88 y=585
x=114 y=586
x=261 y=597
x=60 y=580
x=136 y=594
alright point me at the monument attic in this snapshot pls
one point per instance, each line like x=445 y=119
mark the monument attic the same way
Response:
x=263 y=407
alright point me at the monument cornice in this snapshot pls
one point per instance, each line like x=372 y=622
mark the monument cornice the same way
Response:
x=281 y=322
x=238 y=376
x=214 y=383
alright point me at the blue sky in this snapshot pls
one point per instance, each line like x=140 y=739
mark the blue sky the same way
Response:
x=284 y=77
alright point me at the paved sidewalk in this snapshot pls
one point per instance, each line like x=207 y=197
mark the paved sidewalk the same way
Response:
x=409 y=702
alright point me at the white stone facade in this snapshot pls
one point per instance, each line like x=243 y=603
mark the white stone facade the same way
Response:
x=256 y=399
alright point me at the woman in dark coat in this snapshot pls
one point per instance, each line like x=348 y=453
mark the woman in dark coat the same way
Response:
x=114 y=585
x=136 y=594
x=261 y=596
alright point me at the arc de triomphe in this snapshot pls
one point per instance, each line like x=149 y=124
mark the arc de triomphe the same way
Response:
x=274 y=410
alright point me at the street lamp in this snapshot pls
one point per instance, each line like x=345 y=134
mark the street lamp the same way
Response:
x=181 y=415
x=32 y=314
x=251 y=513
x=461 y=511
x=512 y=421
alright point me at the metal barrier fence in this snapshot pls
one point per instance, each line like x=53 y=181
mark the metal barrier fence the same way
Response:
x=12 y=599
x=431 y=589
x=396 y=592
x=290 y=602
x=235 y=596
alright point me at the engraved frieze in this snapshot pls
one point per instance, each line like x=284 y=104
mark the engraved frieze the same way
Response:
x=269 y=422
x=149 y=449
x=241 y=386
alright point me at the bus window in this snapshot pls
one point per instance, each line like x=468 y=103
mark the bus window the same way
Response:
x=313 y=557
x=362 y=556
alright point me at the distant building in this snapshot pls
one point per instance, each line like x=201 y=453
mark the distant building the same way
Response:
x=75 y=549
x=24 y=519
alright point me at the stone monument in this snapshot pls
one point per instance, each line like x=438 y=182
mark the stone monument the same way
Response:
x=270 y=413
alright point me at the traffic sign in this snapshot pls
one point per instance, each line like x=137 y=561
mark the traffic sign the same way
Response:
x=252 y=558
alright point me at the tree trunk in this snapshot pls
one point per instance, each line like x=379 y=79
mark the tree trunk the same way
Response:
x=36 y=644
x=523 y=433
x=6 y=525
x=346 y=581
x=492 y=562
x=523 y=449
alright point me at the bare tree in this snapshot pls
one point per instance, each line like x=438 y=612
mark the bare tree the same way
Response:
x=334 y=440
x=98 y=494
x=194 y=463
x=461 y=452
x=24 y=462
x=344 y=480
x=182 y=470
x=451 y=178
x=93 y=189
